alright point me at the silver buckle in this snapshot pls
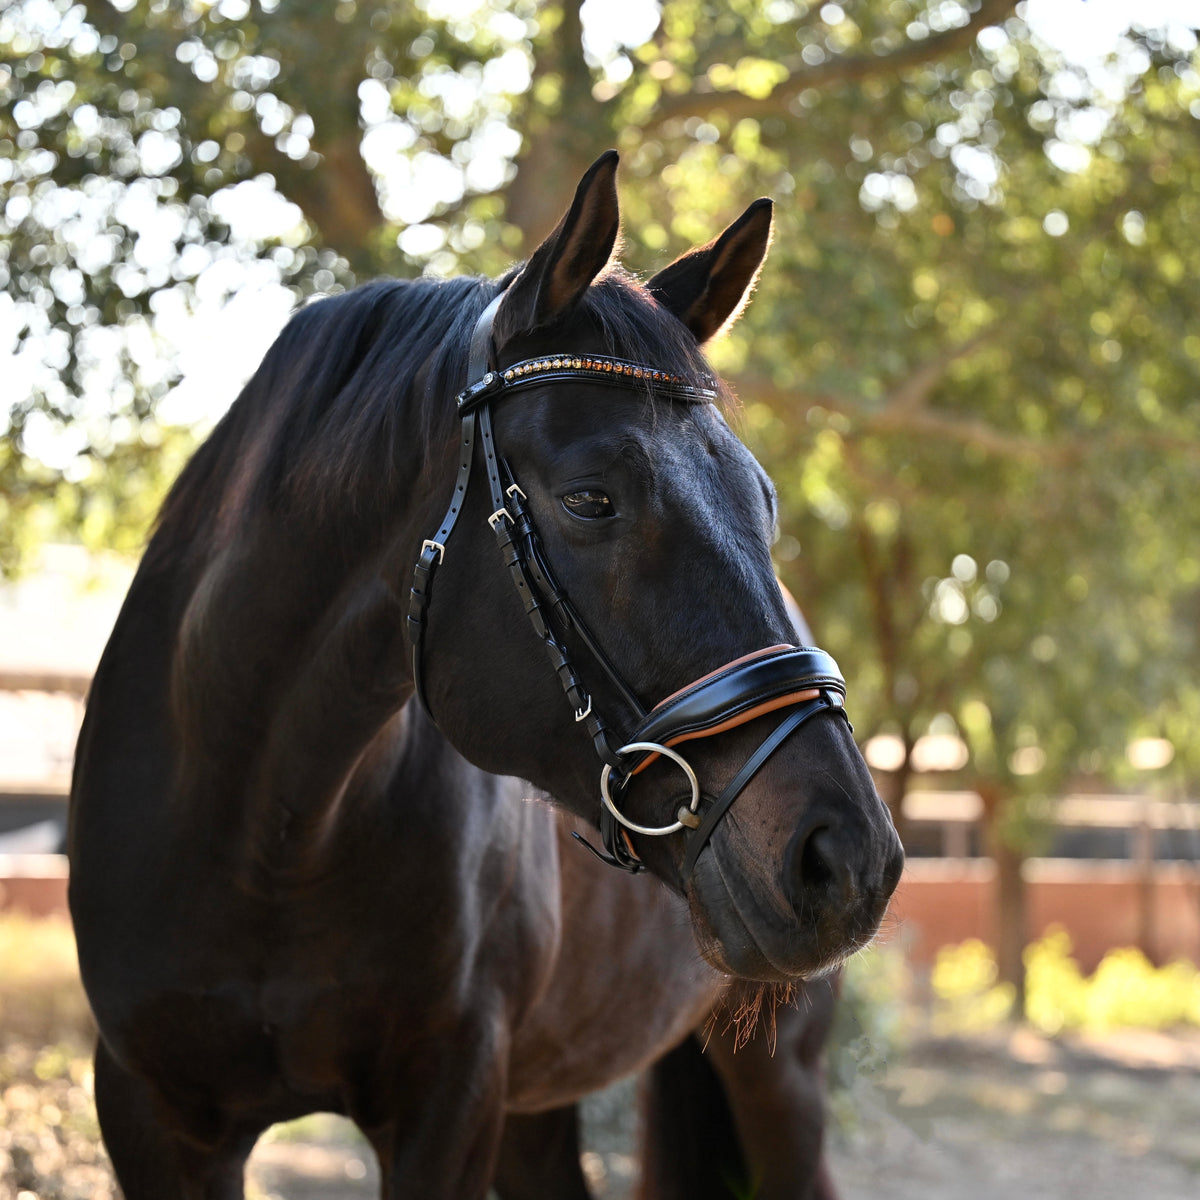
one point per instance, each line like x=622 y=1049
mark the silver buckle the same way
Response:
x=581 y=713
x=498 y=515
x=429 y=543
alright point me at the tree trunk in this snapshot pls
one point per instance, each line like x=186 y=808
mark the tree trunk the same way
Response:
x=560 y=142
x=1010 y=898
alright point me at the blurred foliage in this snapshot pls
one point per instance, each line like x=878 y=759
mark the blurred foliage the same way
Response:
x=1125 y=991
x=873 y=1025
x=971 y=366
x=41 y=998
x=967 y=996
x=49 y=1140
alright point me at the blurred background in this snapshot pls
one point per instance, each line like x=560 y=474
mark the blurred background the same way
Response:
x=972 y=366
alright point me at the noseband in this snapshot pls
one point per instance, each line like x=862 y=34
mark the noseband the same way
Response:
x=803 y=681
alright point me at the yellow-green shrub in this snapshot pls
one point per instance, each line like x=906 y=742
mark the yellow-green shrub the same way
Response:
x=1126 y=990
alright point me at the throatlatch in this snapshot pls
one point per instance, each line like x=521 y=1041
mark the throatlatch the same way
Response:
x=800 y=681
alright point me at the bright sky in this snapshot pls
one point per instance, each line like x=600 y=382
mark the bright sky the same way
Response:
x=222 y=341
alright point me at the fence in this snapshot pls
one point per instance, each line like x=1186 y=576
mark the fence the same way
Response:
x=944 y=898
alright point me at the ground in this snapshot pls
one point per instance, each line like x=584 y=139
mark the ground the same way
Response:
x=997 y=1115
x=994 y=1116
x=1013 y=1114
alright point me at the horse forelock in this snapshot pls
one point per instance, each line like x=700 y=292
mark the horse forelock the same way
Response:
x=635 y=326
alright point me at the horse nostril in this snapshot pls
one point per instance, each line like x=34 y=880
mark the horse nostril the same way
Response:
x=819 y=870
x=816 y=870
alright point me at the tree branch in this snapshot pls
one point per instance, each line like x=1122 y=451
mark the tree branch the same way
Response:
x=945 y=426
x=913 y=393
x=841 y=69
x=558 y=146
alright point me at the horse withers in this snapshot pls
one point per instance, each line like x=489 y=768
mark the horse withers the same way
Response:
x=292 y=890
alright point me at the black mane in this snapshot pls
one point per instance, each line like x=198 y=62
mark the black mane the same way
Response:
x=355 y=396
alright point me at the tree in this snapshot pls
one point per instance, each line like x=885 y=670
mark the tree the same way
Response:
x=971 y=364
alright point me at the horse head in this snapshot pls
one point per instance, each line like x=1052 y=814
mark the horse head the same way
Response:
x=636 y=528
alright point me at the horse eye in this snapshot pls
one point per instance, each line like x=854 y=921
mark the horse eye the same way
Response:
x=590 y=505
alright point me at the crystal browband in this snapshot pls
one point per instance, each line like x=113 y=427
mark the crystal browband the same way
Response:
x=590 y=368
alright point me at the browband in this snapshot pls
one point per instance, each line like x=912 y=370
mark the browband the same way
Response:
x=576 y=368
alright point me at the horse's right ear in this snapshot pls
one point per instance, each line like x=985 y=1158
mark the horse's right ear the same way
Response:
x=708 y=288
x=562 y=268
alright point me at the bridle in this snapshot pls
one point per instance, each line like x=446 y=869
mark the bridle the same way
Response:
x=804 y=681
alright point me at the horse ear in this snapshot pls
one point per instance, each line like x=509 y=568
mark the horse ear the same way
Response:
x=562 y=268
x=708 y=288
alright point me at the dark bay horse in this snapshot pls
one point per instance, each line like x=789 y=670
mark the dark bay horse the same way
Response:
x=292 y=890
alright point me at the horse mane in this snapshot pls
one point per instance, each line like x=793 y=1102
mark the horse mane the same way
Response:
x=354 y=399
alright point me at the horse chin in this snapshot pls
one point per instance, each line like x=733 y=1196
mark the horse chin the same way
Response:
x=740 y=935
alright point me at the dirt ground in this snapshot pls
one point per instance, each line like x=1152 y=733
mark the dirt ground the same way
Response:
x=989 y=1118
x=1004 y=1115
x=1014 y=1114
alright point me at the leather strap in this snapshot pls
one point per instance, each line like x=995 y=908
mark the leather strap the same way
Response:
x=575 y=368
x=697 y=838
x=556 y=602
x=433 y=550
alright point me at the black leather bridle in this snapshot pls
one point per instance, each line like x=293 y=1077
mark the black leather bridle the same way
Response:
x=803 y=681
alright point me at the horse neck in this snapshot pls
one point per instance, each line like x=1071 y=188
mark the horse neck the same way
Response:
x=290 y=660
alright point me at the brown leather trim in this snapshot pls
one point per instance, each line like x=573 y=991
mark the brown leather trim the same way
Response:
x=760 y=710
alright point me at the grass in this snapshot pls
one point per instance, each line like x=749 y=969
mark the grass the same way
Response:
x=41 y=999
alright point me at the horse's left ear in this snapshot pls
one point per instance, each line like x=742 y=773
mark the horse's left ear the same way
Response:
x=708 y=288
x=562 y=268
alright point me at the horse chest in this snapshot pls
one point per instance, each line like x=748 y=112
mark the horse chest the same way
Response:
x=628 y=984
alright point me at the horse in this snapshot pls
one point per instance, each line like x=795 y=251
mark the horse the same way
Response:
x=300 y=877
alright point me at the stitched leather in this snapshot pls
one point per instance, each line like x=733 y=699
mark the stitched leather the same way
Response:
x=739 y=688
